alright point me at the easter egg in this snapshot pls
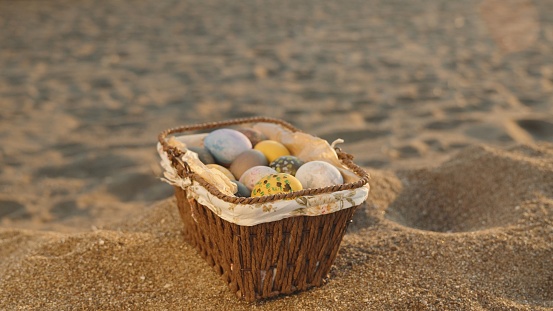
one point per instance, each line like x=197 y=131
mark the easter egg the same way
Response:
x=254 y=136
x=287 y=164
x=203 y=155
x=226 y=144
x=243 y=191
x=276 y=183
x=222 y=169
x=318 y=174
x=246 y=160
x=254 y=174
x=272 y=149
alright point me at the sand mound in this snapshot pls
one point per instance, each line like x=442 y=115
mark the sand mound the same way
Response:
x=480 y=188
x=474 y=233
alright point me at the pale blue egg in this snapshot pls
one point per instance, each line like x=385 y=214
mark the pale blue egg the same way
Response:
x=203 y=155
x=242 y=191
x=226 y=144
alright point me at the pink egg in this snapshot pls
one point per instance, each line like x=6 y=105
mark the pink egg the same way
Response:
x=254 y=174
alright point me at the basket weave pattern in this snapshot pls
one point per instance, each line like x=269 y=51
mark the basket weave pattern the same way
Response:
x=268 y=259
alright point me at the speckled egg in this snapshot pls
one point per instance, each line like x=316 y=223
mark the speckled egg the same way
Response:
x=253 y=135
x=254 y=174
x=223 y=170
x=247 y=160
x=287 y=164
x=276 y=183
x=318 y=174
x=226 y=144
x=272 y=149
x=203 y=155
x=243 y=191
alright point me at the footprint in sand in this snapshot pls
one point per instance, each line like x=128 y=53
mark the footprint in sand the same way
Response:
x=449 y=124
x=13 y=209
x=138 y=187
x=489 y=133
x=538 y=129
x=67 y=209
x=87 y=166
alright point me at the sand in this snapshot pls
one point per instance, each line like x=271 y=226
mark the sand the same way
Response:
x=448 y=105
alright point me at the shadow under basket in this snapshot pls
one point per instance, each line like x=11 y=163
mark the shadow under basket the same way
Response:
x=269 y=259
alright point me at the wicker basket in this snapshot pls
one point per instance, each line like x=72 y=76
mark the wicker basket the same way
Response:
x=268 y=259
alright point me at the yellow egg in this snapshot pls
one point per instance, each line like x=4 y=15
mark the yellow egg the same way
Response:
x=222 y=170
x=276 y=183
x=272 y=149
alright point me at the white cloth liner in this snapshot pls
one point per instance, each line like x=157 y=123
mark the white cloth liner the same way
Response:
x=304 y=146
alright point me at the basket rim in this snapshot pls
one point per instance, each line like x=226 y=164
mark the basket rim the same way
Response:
x=183 y=170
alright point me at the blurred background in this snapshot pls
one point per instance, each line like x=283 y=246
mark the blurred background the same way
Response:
x=86 y=86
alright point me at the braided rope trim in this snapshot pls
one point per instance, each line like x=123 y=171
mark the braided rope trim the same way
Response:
x=184 y=171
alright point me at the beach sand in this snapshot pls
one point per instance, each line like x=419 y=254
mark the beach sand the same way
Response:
x=448 y=105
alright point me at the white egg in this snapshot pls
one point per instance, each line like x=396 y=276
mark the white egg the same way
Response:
x=318 y=174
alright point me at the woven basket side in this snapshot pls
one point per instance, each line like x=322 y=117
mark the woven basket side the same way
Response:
x=269 y=259
x=213 y=247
